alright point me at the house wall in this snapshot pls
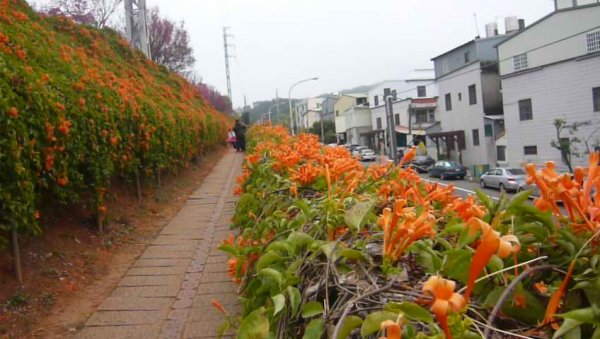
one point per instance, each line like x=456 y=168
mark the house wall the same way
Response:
x=341 y=106
x=554 y=39
x=562 y=90
x=464 y=116
x=328 y=107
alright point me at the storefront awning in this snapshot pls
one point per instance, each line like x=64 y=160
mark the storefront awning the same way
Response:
x=404 y=130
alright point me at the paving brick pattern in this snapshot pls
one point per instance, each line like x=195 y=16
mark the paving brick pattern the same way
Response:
x=167 y=292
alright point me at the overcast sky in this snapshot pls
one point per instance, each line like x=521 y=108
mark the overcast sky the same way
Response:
x=343 y=42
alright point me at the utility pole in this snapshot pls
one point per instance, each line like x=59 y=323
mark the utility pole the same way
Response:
x=136 y=25
x=389 y=110
x=226 y=45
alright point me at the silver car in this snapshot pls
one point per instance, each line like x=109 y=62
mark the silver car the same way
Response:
x=367 y=154
x=504 y=179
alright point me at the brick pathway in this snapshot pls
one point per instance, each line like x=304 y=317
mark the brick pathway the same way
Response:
x=168 y=290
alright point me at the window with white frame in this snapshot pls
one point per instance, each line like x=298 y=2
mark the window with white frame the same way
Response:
x=593 y=41
x=520 y=61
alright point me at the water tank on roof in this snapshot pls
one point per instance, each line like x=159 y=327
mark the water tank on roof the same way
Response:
x=491 y=29
x=511 y=23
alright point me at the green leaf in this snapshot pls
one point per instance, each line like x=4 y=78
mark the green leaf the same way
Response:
x=300 y=239
x=314 y=329
x=350 y=323
x=357 y=215
x=254 y=326
x=410 y=310
x=270 y=274
x=457 y=263
x=519 y=199
x=495 y=264
x=311 y=309
x=567 y=327
x=281 y=246
x=278 y=302
x=267 y=259
x=352 y=254
x=373 y=320
x=295 y=299
x=589 y=315
x=485 y=200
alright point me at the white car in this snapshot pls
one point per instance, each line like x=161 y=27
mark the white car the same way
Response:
x=367 y=154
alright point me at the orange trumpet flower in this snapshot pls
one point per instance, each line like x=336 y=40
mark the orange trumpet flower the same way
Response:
x=490 y=243
x=393 y=330
x=442 y=290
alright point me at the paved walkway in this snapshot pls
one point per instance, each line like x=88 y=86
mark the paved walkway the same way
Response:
x=167 y=292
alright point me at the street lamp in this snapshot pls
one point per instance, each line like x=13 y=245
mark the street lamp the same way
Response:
x=290 y=101
x=270 y=108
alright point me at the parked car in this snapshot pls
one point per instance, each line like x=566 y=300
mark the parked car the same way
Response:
x=422 y=163
x=504 y=179
x=447 y=169
x=367 y=154
x=356 y=150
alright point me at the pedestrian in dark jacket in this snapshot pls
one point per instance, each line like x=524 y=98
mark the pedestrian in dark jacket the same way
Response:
x=240 y=135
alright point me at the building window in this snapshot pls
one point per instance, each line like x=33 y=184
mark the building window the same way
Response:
x=421 y=91
x=476 y=137
x=397 y=119
x=593 y=41
x=431 y=115
x=379 y=123
x=520 y=61
x=448 y=102
x=421 y=117
x=459 y=96
x=337 y=113
x=596 y=98
x=530 y=150
x=501 y=153
x=395 y=95
x=376 y=99
x=525 y=110
x=472 y=95
x=467 y=57
x=488 y=130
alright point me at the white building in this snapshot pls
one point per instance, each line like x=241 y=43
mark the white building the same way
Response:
x=551 y=70
x=470 y=103
x=308 y=111
x=352 y=118
x=416 y=97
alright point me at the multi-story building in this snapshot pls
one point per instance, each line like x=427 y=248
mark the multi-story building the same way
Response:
x=308 y=111
x=352 y=118
x=415 y=97
x=470 y=104
x=549 y=71
x=328 y=107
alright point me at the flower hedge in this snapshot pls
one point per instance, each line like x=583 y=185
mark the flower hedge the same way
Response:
x=79 y=108
x=327 y=247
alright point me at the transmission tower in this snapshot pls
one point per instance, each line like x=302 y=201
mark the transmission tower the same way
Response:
x=137 y=25
x=228 y=56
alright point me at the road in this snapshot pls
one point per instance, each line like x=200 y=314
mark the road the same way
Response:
x=464 y=188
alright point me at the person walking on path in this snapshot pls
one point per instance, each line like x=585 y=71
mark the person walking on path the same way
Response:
x=240 y=135
x=231 y=139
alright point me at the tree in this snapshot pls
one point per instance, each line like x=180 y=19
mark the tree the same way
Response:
x=567 y=145
x=212 y=95
x=170 y=43
x=96 y=13
x=328 y=131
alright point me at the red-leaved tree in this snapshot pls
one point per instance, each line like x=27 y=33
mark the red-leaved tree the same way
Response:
x=170 y=43
x=90 y=12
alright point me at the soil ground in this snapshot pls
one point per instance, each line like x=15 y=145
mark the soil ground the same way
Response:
x=71 y=268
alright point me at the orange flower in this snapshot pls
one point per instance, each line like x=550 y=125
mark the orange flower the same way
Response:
x=102 y=210
x=556 y=297
x=541 y=287
x=294 y=190
x=398 y=234
x=13 y=112
x=36 y=214
x=490 y=243
x=63 y=180
x=218 y=306
x=408 y=156
x=306 y=174
x=393 y=330
x=60 y=106
x=445 y=298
